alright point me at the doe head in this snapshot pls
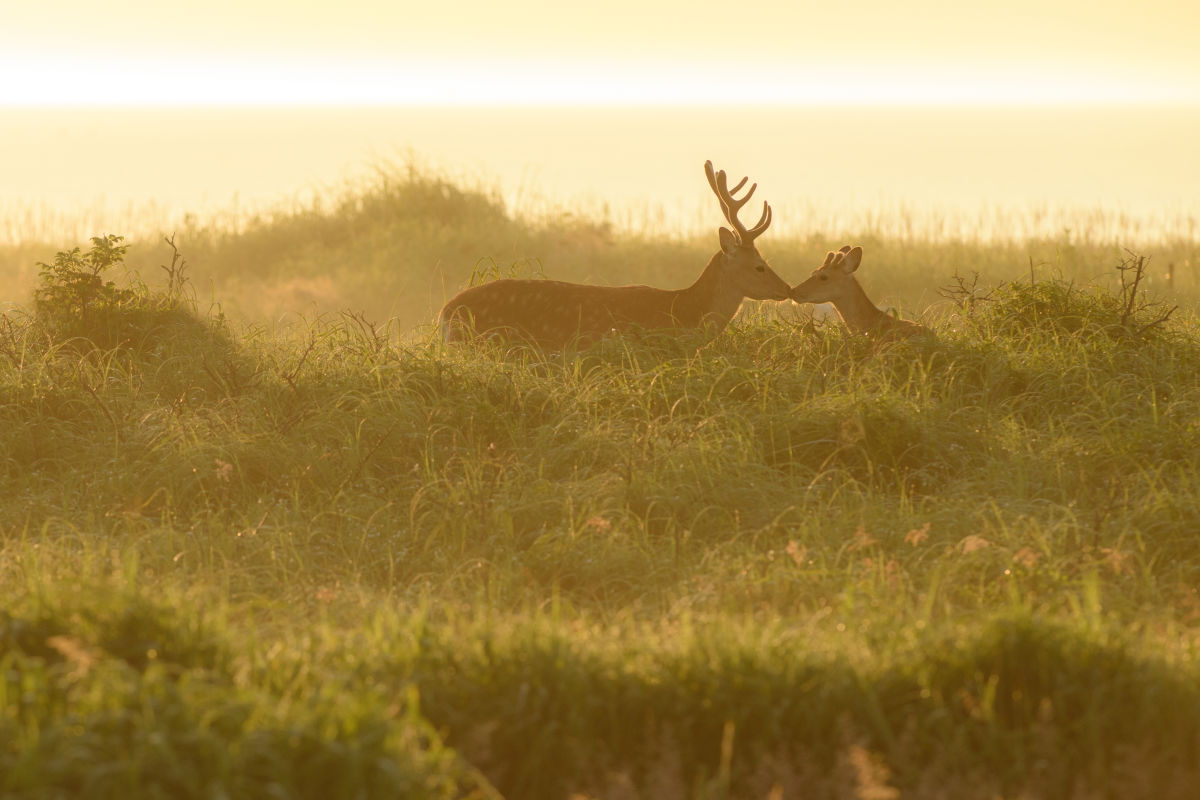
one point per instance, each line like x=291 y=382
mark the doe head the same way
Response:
x=832 y=279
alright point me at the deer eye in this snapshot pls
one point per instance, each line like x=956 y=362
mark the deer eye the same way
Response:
x=760 y=268
x=824 y=277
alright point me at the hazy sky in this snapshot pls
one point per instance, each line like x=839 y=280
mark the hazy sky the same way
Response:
x=618 y=51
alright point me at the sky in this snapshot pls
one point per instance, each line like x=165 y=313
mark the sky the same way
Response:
x=620 y=52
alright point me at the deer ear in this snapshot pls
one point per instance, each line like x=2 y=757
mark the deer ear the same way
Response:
x=853 y=259
x=844 y=248
x=729 y=242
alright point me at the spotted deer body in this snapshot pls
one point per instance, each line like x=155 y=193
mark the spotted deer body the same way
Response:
x=555 y=314
x=834 y=282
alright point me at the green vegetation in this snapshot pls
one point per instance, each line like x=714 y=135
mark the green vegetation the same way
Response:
x=397 y=247
x=341 y=559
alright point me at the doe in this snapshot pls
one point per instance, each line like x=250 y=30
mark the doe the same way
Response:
x=834 y=282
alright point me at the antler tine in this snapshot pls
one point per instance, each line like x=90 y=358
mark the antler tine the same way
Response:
x=717 y=181
x=726 y=194
x=712 y=178
x=763 y=223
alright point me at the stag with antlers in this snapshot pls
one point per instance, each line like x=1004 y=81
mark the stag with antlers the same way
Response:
x=554 y=314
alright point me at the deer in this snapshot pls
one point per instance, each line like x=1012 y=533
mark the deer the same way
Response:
x=554 y=314
x=834 y=282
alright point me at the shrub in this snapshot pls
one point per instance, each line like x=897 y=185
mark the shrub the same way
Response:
x=1059 y=307
x=74 y=299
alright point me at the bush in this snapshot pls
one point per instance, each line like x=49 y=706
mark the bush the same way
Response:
x=76 y=301
x=1059 y=307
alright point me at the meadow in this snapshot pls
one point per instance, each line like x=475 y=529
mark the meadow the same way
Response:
x=262 y=534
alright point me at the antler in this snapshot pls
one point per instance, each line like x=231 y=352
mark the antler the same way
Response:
x=731 y=206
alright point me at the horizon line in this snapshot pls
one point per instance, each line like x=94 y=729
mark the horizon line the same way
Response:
x=631 y=104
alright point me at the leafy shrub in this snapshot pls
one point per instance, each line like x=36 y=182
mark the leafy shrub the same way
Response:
x=77 y=303
x=1060 y=307
x=74 y=298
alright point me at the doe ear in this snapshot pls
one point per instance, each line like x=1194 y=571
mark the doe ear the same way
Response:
x=852 y=260
x=729 y=242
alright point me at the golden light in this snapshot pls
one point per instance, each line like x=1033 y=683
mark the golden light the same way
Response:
x=537 y=52
x=259 y=82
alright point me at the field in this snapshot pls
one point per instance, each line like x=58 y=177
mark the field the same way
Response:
x=262 y=535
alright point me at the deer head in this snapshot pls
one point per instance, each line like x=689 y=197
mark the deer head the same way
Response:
x=742 y=264
x=832 y=280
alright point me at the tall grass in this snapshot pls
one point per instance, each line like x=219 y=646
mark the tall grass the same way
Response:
x=340 y=558
x=398 y=245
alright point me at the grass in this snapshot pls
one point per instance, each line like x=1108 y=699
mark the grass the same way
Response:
x=338 y=558
x=398 y=246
